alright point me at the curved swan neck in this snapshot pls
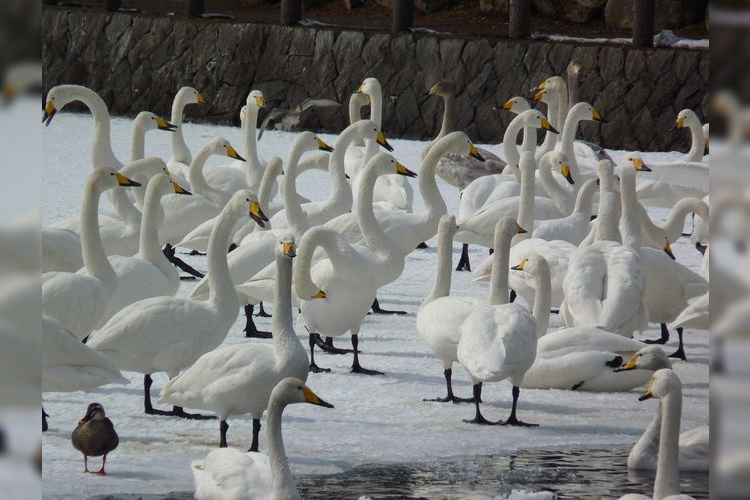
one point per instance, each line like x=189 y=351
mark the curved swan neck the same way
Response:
x=676 y=219
x=355 y=115
x=630 y=223
x=542 y=297
x=697 y=140
x=318 y=236
x=585 y=197
x=553 y=115
x=559 y=195
x=372 y=233
x=341 y=190
x=442 y=286
x=94 y=258
x=281 y=474
x=180 y=151
x=220 y=281
x=667 y=480
x=101 y=153
x=376 y=116
x=266 y=184
x=510 y=148
x=648 y=443
x=568 y=136
x=433 y=200
x=294 y=215
x=196 y=179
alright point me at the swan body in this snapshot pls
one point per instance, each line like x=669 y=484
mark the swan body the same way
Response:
x=238 y=379
x=79 y=300
x=696 y=316
x=574 y=227
x=168 y=334
x=666 y=386
x=229 y=474
x=61 y=250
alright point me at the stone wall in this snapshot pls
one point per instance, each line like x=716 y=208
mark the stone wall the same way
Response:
x=138 y=62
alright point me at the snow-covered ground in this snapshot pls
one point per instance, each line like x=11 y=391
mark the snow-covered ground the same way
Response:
x=376 y=419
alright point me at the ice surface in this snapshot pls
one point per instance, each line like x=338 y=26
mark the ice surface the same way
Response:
x=376 y=419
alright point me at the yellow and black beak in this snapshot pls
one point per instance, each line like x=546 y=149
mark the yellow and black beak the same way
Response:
x=260 y=101
x=474 y=152
x=648 y=393
x=402 y=170
x=565 y=171
x=179 y=189
x=163 y=124
x=49 y=113
x=320 y=295
x=322 y=145
x=668 y=249
x=595 y=115
x=546 y=125
x=289 y=249
x=508 y=105
x=679 y=123
x=124 y=181
x=434 y=89
x=202 y=99
x=257 y=214
x=519 y=229
x=521 y=266
x=631 y=364
x=383 y=142
x=538 y=92
x=359 y=89
x=640 y=166
x=232 y=153
x=313 y=398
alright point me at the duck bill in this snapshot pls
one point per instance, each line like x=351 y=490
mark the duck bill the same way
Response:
x=474 y=152
x=383 y=142
x=323 y=146
x=402 y=170
x=313 y=398
x=257 y=214
x=49 y=113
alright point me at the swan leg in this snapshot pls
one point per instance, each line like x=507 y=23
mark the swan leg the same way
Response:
x=513 y=420
x=463 y=263
x=448 y=373
x=478 y=417
x=196 y=252
x=262 y=312
x=101 y=471
x=169 y=253
x=328 y=346
x=250 y=329
x=44 y=420
x=356 y=367
x=85 y=463
x=680 y=352
x=512 y=296
x=376 y=309
x=256 y=433
x=223 y=428
x=664 y=336
x=313 y=366
x=176 y=411
x=701 y=248
x=422 y=246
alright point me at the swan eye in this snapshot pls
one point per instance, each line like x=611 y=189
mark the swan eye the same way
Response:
x=247 y=199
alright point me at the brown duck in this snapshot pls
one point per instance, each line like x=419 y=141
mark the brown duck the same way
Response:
x=94 y=436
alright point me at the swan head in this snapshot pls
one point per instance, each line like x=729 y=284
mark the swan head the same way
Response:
x=286 y=246
x=369 y=86
x=147 y=120
x=245 y=201
x=558 y=160
x=548 y=90
x=188 y=95
x=516 y=105
x=535 y=118
x=447 y=225
x=256 y=98
x=57 y=98
x=586 y=111
x=457 y=142
x=651 y=357
x=531 y=264
x=633 y=160
x=505 y=229
x=385 y=163
x=368 y=130
x=662 y=383
x=292 y=390
x=442 y=88
x=686 y=117
x=107 y=178
x=222 y=147
x=307 y=141
x=95 y=411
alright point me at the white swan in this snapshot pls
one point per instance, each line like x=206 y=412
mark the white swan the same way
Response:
x=666 y=386
x=78 y=300
x=694 y=444
x=184 y=213
x=229 y=474
x=581 y=167
x=554 y=93
x=168 y=334
x=696 y=316
x=149 y=273
x=336 y=293
x=181 y=156
x=671 y=230
x=440 y=316
x=238 y=379
x=70 y=365
x=498 y=341
x=575 y=226
x=142 y=123
x=605 y=283
x=391 y=191
x=459 y=170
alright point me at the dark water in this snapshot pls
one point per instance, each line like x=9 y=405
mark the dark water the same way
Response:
x=570 y=473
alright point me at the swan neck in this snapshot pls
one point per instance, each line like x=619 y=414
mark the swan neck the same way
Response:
x=94 y=257
x=584 y=199
x=528 y=142
x=433 y=200
x=294 y=215
x=630 y=221
x=249 y=141
x=667 y=472
x=180 y=151
x=220 y=281
x=556 y=192
x=697 y=141
x=676 y=219
x=500 y=266
x=101 y=153
x=341 y=190
x=195 y=175
x=542 y=299
x=449 y=115
x=442 y=286
x=568 y=136
x=137 y=143
x=510 y=148
x=527 y=199
x=648 y=443
x=149 y=247
x=607 y=213
x=282 y=325
x=318 y=236
x=266 y=186
x=553 y=116
x=376 y=116
x=281 y=474
x=373 y=234
x=562 y=110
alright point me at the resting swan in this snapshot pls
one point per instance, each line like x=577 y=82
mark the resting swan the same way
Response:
x=79 y=300
x=694 y=449
x=337 y=292
x=238 y=379
x=168 y=333
x=440 y=316
x=229 y=474
x=666 y=386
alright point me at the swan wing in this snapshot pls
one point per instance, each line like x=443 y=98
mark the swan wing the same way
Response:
x=229 y=474
x=626 y=282
x=584 y=287
x=694 y=449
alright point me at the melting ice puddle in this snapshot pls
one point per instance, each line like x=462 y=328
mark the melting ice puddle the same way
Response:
x=570 y=473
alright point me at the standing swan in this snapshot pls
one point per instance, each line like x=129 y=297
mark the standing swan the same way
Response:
x=238 y=379
x=666 y=386
x=229 y=474
x=167 y=334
